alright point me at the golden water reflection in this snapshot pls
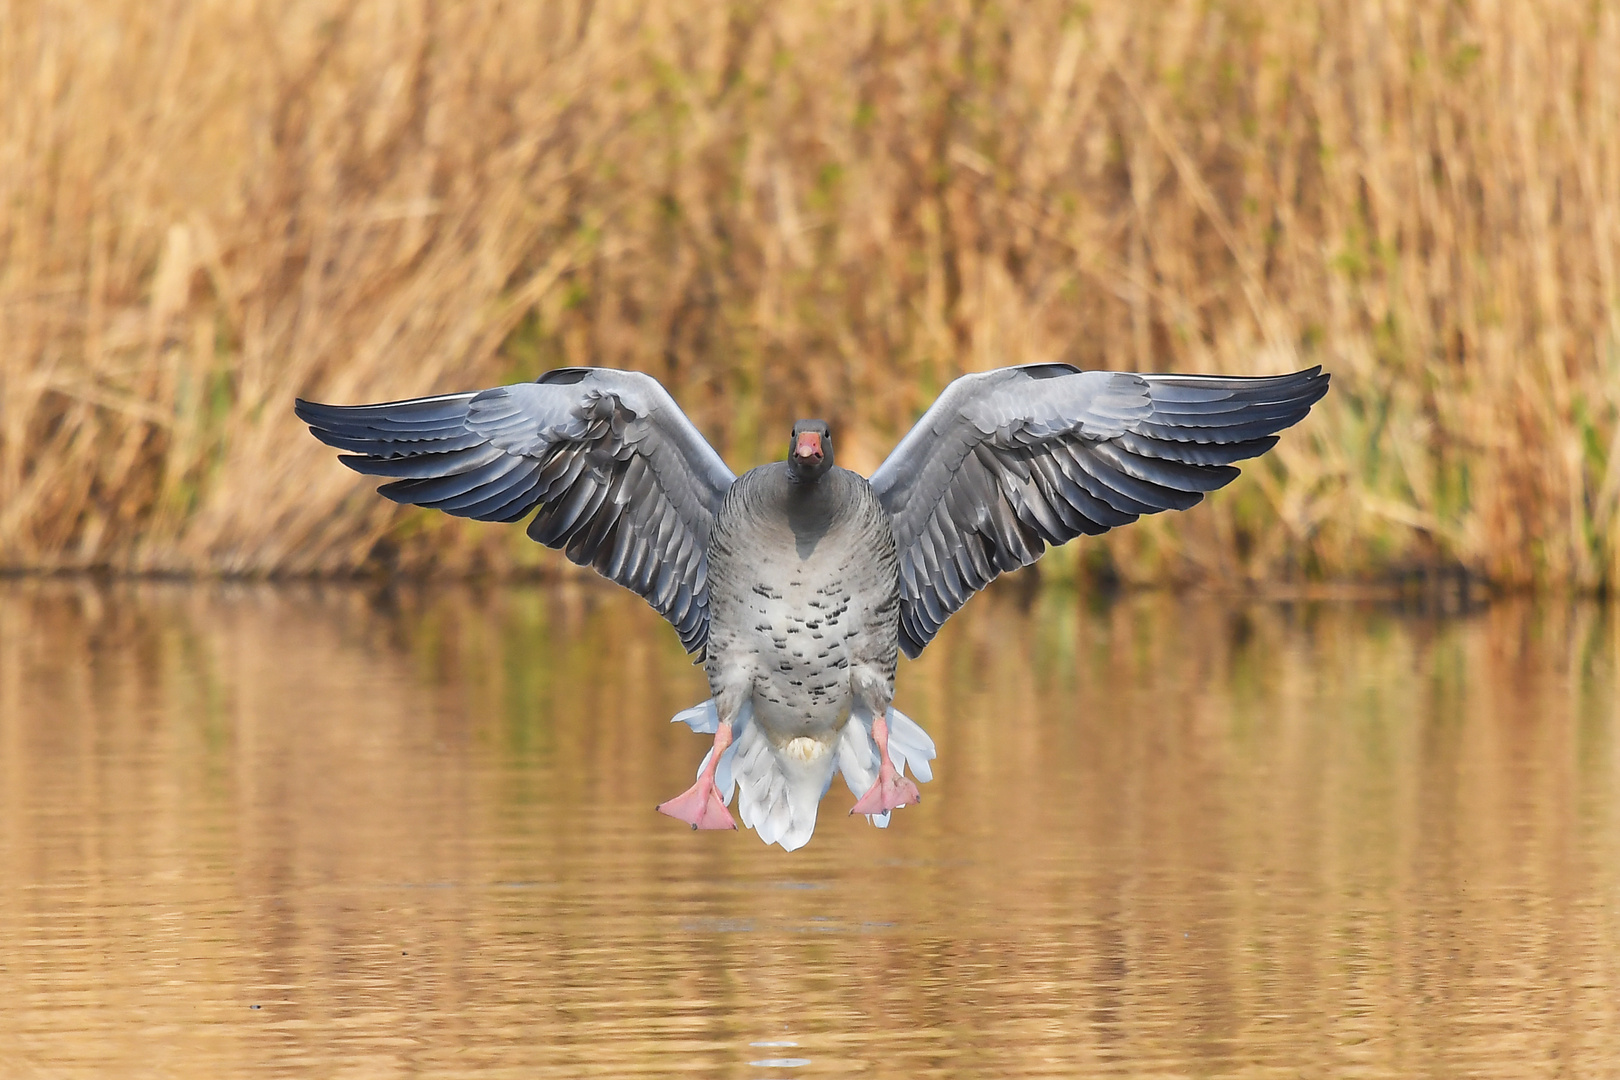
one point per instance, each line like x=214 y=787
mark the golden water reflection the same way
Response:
x=337 y=832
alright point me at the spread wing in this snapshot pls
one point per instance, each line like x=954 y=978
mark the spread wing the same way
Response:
x=1008 y=461
x=623 y=480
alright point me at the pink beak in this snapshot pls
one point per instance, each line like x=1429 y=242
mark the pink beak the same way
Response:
x=808 y=448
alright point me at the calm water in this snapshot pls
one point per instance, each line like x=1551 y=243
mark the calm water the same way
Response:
x=331 y=832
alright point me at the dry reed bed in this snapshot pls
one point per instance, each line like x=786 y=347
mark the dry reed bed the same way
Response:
x=207 y=208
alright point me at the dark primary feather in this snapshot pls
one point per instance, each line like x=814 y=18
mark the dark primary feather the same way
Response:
x=1008 y=461
x=622 y=479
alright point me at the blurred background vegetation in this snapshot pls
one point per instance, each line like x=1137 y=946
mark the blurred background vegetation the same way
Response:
x=827 y=208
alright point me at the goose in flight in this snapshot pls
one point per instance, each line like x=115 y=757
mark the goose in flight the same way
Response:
x=799 y=582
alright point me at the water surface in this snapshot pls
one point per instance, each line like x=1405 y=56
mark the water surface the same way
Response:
x=348 y=833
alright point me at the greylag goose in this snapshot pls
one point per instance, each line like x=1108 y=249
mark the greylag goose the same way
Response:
x=800 y=582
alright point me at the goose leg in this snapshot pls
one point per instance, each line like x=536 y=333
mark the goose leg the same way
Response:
x=892 y=789
x=700 y=805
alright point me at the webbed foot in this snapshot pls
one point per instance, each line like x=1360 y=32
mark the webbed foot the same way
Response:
x=890 y=792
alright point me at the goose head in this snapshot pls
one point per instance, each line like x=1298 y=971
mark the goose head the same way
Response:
x=810 y=451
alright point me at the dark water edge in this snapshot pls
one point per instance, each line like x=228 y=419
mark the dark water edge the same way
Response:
x=331 y=829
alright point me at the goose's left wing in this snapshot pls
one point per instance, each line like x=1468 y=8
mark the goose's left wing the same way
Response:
x=1008 y=461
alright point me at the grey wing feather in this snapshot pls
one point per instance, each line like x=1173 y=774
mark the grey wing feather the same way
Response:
x=622 y=479
x=1009 y=461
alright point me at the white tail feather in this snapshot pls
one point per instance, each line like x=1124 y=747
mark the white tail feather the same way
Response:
x=702 y=718
x=910 y=745
x=781 y=787
x=858 y=759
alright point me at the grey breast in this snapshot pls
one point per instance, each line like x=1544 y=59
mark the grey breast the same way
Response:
x=804 y=582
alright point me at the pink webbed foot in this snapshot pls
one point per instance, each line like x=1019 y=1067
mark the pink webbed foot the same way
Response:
x=700 y=807
x=890 y=792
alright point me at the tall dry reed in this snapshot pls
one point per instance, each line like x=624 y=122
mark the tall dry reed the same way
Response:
x=207 y=208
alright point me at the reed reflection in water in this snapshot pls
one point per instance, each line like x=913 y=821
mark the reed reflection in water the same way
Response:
x=332 y=832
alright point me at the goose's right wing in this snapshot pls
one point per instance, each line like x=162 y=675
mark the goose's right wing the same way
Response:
x=623 y=480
